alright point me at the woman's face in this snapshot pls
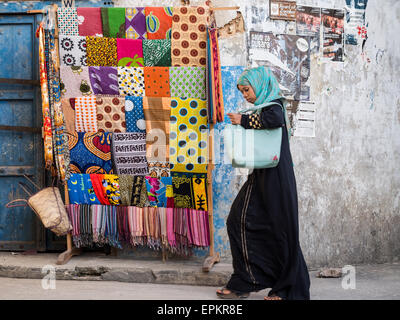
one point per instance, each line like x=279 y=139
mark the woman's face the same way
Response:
x=248 y=93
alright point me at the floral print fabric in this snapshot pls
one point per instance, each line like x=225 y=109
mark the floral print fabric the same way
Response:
x=72 y=50
x=130 y=53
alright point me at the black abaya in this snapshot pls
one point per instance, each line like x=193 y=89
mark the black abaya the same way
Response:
x=263 y=225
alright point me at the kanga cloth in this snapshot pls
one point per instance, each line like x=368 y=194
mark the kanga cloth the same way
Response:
x=111 y=189
x=157 y=52
x=188 y=135
x=80 y=190
x=90 y=152
x=188 y=82
x=111 y=114
x=129 y=153
x=97 y=182
x=69 y=114
x=158 y=22
x=130 y=53
x=101 y=51
x=138 y=193
x=104 y=80
x=135 y=23
x=125 y=188
x=113 y=22
x=75 y=82
x=189 y=36
x=157 y=114
x=72 y=50
x=134 y=115
x=89 y=22
x=156 y=80
x=67 y=21
x=131 y=81
x=85 y=114
x=159 y=169
x=157 y=190
x=186 y=195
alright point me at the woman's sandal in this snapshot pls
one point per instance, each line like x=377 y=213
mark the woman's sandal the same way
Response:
x=273 y=298
x=232 y=294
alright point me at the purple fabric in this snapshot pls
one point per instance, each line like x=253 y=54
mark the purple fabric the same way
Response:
x=135 y=24
x=104 y=80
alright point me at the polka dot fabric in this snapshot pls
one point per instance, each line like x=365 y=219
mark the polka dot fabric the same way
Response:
x=85 y=114
x=131 y=81
x=156 y=80
x=111 y=114
x=134 y=114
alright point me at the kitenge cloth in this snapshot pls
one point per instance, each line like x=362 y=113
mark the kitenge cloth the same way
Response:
x=157 y=113
x=111 y=189
x=101 y=51
x=68 y=21
x=85 y=114
x=104 y=80
x=158 y=22
x=111 y=113
x=97 y=182
x=189 y=36
x=130 y=53
x=129 y=153
x=69 y=113
x=139 y=192
x=188 y=135
x=131 y=81
x=156 y=80
x=188 y=82
x=89 y=22
x=159 y=169
x=157 y=52
x=135 y=23
x=125 y=188
x=75 y=82
x=157 y=190
x=72 y=50
x=80 y=190
x=113 y=22
x=90 y=152
x=190 y=190
x=134 y=115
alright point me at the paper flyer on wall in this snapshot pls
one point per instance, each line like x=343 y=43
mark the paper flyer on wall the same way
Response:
x=288 y=57
x=304 y=120
x=291 y=110
x=308 y=23
x=355 y=21
x=333 y=28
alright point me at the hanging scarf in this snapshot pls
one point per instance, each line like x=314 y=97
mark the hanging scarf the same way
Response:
x=170 y=229
x=136 y=225
x=122 y=224
x=73 y=215
x=162 y=215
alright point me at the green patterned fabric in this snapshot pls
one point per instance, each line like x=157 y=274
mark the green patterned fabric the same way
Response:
x=157 y=53
x=188 y=82
x=113 y=20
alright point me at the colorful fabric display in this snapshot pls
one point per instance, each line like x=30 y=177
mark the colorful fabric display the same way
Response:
x=180 y=231
x=89 y=22
x=186 y=195
x=85 y=114
x=130 y=53
x=199 y=186
x=131 y=81
x=189 y=37
x=104 y=80
x=75 y=82
x=158 y=22
x=90 y=152
x=135 y=23
x=123 y=224
x=68 y=21
x=159 y=169
x=72 y=50
x=169 y=212
x=156 y=80
x=111 y=114
x=152 y=227
x=157 y=53
x=125 y=187
x=97 y=182
x=135 y=224
x=188 y=135
x=80 y=190
x=129 y=153
x=69 y=114
x=111 y=189
x=157 y=190
x=139 y=192
x=134 y=115
x=113 y=20
x=188 y=82
x=198 y=228
x=101 y=51
x=157 y=114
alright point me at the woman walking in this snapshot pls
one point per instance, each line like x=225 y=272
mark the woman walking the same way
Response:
x=263 y=224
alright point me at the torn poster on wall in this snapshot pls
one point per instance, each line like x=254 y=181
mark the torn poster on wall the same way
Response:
x=308 y=23
x=333 y=28
x=288 y=57
x=291 y=110
x=355 y=21
x=304 y=120
x=282 y=10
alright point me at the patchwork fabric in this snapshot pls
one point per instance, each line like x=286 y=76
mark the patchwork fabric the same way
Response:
x=104 y=80
x=158 y=22
x=184 y=194
x=135 y=23
x=101 y=51
x=90 y=152
x=111 y=114
x=134 y=115
x=157 y=189
x=72 y=50
x=157 y=53
x=67 y=21
x=85 y=114
x=188 y=135
x=113 y=22
x=159 y=169
x=156 y=80
x=129 y=153
x=89 y=22
x=188 y=82
x=189 y=37
x=111 y=189
x=131 y=81
x=75 y=82
x=80 y=190
x=69 y=113
x=130 y=53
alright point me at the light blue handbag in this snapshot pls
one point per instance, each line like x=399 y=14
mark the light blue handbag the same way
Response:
x=253 y=148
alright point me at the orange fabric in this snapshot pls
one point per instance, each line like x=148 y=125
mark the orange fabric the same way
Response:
x=158 y=22
x=156 y=80
x=85 y=114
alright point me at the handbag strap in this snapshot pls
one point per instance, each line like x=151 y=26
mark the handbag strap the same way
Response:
x=10 y=205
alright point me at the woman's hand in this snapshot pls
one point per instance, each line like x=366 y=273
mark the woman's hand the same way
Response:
x=235 y=117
